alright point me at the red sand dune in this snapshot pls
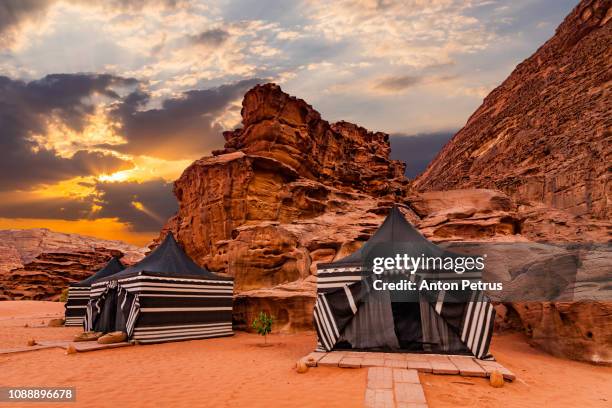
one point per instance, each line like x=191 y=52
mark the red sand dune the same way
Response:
x=236 y=372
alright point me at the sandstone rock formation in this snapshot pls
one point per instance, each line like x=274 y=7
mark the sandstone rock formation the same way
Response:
x=544 y=134
x=576 y=330
x=38 y=263
x=290 y=190
x=287 y=191
x=471 y=214
x=543 y=137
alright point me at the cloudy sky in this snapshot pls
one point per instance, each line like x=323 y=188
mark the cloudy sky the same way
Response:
x=103 y=104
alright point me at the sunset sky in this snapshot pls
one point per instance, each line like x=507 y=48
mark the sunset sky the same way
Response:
x=103 y=104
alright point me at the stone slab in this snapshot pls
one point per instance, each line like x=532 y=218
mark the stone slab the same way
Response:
x=350 y=362
x=421 y=366
x=396 y=363
x=442 y=365
x=93 y=346
x=409 y=393
x=467 y=366
x=379 y=398
x=313 y=358
x=373 y=362
x=403 y=375
x=331 y=359
x=380 y=377
x=23 y=349
x=490 y=366
x=58 y=343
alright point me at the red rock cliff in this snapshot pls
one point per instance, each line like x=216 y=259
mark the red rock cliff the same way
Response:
x=544 y=134
x=288 y=190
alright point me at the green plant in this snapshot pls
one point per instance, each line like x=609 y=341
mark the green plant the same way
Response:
x=64 y=296
x=263 y=324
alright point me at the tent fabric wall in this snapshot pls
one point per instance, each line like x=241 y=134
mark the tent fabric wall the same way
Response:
x=78 y=293
x=76 y=304
x=342 y=287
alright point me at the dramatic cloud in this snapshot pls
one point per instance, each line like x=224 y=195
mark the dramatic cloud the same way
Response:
x=410 y=33
x=183 y=127
x=145 y=206
x=418 y=151
x=25 y=111
x=210 y=38
x=396 y=83
x=14 y=13
x=61 y=208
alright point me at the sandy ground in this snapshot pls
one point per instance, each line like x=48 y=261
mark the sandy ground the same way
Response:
x=542 y=381
x=237 y=372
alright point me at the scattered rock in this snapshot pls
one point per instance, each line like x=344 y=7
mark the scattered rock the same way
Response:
x=56 y=322
x=496 y=379
x=112 y=337
x=31 y=342
x=87 y=336
x=71 y=349
x=301 y=366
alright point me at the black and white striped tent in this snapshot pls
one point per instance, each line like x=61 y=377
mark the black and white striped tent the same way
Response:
x=349 y=314
x=78 y=293
x=164 y=297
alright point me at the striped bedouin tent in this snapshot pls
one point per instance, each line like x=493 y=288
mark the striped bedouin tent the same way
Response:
x=352 y=312
x=78 y=293
x=164 y=297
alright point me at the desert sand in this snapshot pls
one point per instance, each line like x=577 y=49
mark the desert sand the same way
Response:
x=238 y=372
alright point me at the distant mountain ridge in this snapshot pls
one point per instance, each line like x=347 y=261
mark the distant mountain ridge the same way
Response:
x=39 y=263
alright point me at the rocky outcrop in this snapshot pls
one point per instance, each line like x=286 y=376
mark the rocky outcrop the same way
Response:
x=290 y=190
x=576 y=330
x=471 y=214
x=543 y=135
x=287 y=130
x=39 y=263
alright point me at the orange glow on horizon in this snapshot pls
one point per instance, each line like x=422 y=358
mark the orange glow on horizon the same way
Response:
x=103 y=228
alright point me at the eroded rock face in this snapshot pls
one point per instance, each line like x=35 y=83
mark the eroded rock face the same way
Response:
x=38 y=264
x=544 y=134
x=470 y=214
x=289 y=190
x=576 y=330
x=288 y=130
x=543 y=137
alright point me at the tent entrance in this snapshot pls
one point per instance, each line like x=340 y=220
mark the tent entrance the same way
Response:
x=383 y=325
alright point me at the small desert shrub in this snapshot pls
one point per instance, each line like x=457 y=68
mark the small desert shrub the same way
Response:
x=263 y=324
x=64 y=296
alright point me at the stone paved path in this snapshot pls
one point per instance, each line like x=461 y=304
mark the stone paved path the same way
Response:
x=393 y=380
x=394 y=388
x=427 y=363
